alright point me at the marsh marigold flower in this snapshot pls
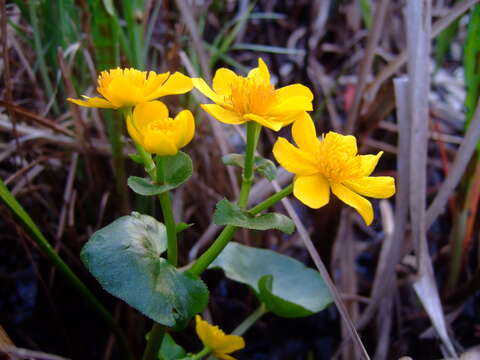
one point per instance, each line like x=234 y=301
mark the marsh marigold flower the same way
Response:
x=240 y=99
x=215 y=339
x=150 y=126
x=129 y=87
x=331 y=164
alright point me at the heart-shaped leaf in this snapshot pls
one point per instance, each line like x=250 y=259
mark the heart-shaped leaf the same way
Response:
x=177 y=170
x=125 y=258
x=286 y=286
x=264 y=167
x=227 y=213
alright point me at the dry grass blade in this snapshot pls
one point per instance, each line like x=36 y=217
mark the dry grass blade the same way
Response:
x=4 y=339
x=393 y=66
x=18 y=353
x=418 y=23
x=367 y=62
x=462 y=158
x=323 y=272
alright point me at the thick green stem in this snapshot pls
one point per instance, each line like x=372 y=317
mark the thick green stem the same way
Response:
x=170 y=225
x=154 y=343
x=205 y=351
x=250 y=320
x=227 y=233
x=253 y=133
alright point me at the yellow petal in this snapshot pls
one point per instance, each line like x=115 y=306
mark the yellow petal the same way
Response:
x=224 y=356
x=184 y=128
x=260 y=72
x=379 y=187
x=291 y=104
x=369 y=162
x=224 y=115
x=95 y=102
x=156 y=142
x=132 y=130
x=359 y=203
x=223 y=80
x=154 y=82
x=295 y=90
x=312 y=190
x=274 y=125
x=177 y=83
x=147 y=112
x=202 y=86
x=346 y=143
x=293 y=159
x=121 y=93
x=230 y=343
x=304 y=134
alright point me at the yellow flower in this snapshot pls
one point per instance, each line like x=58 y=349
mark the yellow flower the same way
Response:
x=240 y=99
x=150 y=126
x=331 y=163
x=129 y=87
x=215 y=339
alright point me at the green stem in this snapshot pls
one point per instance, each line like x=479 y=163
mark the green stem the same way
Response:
x=154 y=343
x=227 y=233
x=272 y=200
x=253 y=133
x=205 y=351
x=250 y=320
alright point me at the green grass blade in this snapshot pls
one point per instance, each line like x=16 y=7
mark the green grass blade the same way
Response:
x=366 y=10
x=444 y=40
x=57 y=261
x=133 y=12
x=471 y=63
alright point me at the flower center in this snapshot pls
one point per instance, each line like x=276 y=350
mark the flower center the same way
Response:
x=251 y=96
x=338 y=160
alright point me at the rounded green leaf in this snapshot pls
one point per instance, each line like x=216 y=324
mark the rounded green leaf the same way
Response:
x=125 y=259
x=286 y=286
x=264 y=167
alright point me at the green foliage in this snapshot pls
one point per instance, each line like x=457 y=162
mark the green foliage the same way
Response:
x=170 y=350
x=444 y=41
x=263 y=166
x=227 y=213
x=125 y=258
x=286 y=287
x=174 y=170
x=366 y=10
x=471 y=62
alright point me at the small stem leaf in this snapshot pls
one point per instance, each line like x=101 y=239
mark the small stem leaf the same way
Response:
x=125 y=258
x=146 y=187
x=276 y=304
x=227 y=213
x=178 y=169
x=136 y=158
x=181 y=226
x=170 y=350
x=286 y=286
x=264 y=167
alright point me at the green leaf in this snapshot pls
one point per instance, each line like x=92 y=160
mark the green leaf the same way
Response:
x=286 y=286
x=276 y=304
x=125 y=258
x=136 y=158
x=471 y=63
x=227 y=213
x=264 y=167
x=181 y=226
x=177 y=170
x=170 y=350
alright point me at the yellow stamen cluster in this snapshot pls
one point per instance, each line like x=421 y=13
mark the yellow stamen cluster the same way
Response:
x=249 y=95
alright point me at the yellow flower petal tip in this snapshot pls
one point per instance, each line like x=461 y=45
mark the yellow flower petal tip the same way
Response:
x=129 y=87
x=331 y=163
x=239 y=99
x=152 y=128
x=216 y=340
